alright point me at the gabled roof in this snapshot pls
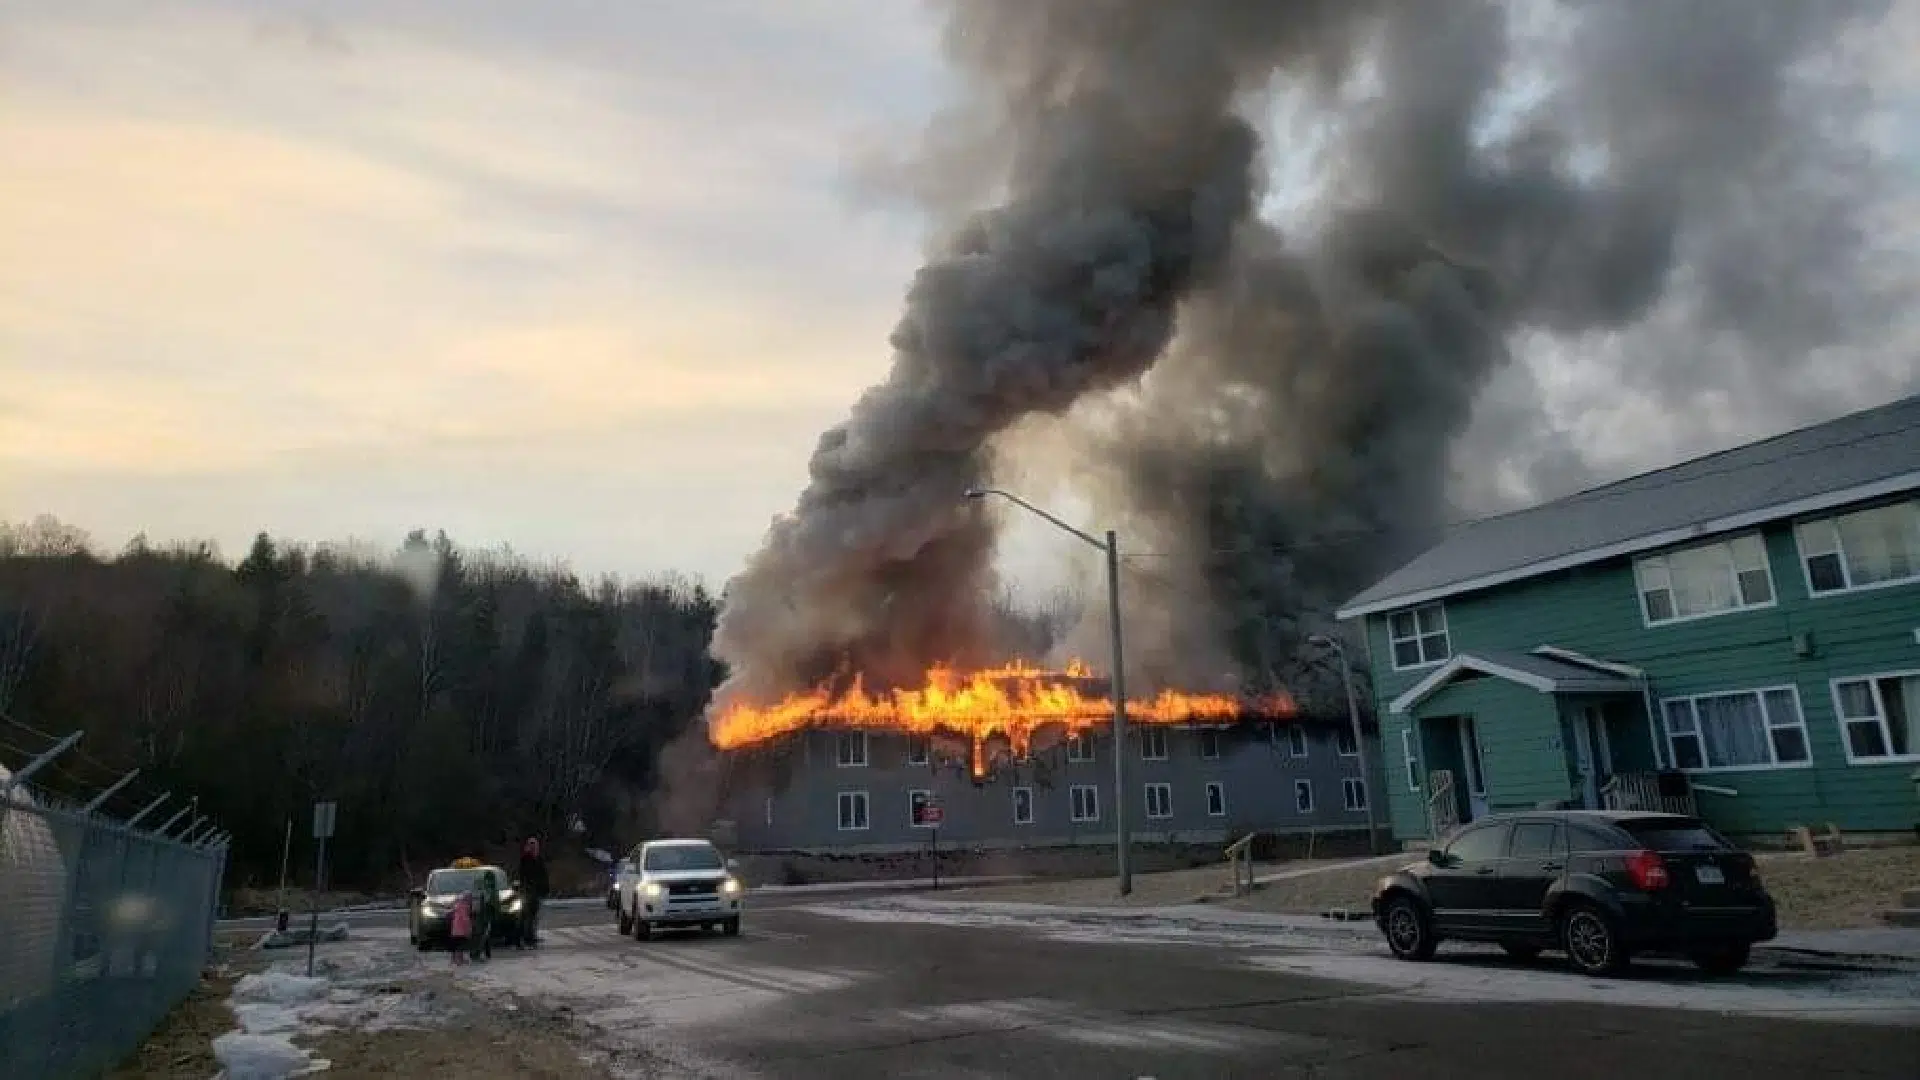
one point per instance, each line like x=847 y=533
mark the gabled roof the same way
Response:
x=1546 y=669
x=1861 y=456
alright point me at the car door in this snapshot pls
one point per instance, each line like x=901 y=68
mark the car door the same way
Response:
x=1536 y=858
x=1463 y=884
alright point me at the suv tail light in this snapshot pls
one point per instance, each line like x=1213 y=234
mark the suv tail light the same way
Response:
x=1648 y=870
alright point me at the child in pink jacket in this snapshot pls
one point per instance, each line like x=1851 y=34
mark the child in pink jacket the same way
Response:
x=461 y=927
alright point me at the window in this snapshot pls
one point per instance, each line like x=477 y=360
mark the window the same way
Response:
x=1023 y=806
x=1297 y=741
x=1744 y=730
x=1353 y=793
x=1705 y=579
x=1079 y=747
x=681 y=856
x=1863 y=549
x=850 y=750
x=1303 y=796
x=1159 y=800
x=1880 y=716
x=1086 y=802
x=853 y=810
x=917 y=803
x=1153 y=744
x=1410 y=759
x=1535 y=840
x=916 y=751
x=1216 y=799
x=1419 y=636
x=1209 y=743
x=1480 y=844
x=1343 y=741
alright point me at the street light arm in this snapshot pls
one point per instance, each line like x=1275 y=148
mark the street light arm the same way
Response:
x=980 y=493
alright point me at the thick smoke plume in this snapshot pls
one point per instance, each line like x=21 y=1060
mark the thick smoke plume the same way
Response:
x=1676 y=183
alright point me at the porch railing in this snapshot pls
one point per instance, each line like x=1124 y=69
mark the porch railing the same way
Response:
x=1642 y=791
x=1443 y=813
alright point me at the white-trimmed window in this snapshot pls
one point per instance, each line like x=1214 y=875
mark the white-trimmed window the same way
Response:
x=1153 y=744
x=917 y=803
x=1303 y=796
x=850 y=750
x=1862 y=550
x=1747 y=729
x=853 y=811
x=1085 y=800
x=1216 y=799
x=1879 y=716
x=1705 y=579
x=1343 y=741
x=1418 y=637
x=1080 y=746
x=1159 y=800
x=1023 y=806
x=1353 y=793
x=917 y=751
x=1209 y=743
x=1411 y=759
x=1296 y=741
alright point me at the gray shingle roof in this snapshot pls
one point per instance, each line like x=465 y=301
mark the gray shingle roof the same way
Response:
x=1851 y=452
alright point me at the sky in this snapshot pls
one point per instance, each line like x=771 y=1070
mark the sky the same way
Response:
x=584 y=279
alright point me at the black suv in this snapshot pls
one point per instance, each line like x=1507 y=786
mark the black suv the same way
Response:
x=1600 y=885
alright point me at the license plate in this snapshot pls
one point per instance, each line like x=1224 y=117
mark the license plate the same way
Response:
x=1709 y=875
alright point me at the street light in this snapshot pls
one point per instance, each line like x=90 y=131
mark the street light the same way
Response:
x=1359 y=741
x=1111 y=546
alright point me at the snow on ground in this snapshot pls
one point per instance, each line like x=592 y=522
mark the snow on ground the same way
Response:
x=1177 y=923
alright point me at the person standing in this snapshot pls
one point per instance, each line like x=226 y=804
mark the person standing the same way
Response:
x=486 y=912
x=460 y=928
x=533 y=887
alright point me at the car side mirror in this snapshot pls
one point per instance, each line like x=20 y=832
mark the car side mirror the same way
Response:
x=1436 y=857
x=417 y=893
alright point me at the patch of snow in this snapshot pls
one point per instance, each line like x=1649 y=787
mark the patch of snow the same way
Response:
x=362 y=987
x=262 y=1057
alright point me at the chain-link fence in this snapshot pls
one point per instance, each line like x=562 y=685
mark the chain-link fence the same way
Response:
x=104 y=927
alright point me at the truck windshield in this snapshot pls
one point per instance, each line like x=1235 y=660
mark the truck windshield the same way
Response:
x=682 y=857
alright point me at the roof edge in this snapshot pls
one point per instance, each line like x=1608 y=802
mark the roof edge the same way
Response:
x=1600 y=683
x=1858 y=493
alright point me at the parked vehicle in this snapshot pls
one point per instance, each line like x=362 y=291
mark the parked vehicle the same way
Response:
x=618 y=870
x=430 y=913
x=1597 y=885
x=679 y=883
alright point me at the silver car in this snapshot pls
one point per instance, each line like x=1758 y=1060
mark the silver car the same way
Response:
x=679 y=883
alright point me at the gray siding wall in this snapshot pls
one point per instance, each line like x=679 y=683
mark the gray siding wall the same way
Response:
x=1255 y=767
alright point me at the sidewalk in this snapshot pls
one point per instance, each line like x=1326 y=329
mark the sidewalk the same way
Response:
x=1881 y=944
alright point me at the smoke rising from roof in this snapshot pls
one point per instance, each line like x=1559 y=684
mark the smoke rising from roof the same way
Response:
x=1680 y=186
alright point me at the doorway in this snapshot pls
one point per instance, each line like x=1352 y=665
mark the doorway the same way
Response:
x=1592 y=755
x=1473 y=766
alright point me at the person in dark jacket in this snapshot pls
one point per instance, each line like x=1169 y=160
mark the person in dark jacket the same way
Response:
x=533 y=888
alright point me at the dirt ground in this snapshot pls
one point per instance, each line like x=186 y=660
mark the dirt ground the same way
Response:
x=471 y=1047
x=182 y=1049
x=1840 y=892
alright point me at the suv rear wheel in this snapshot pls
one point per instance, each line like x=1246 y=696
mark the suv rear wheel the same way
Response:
x=1721 y=959
x=1591 y=942
x=626 y=921
x=1409 y=931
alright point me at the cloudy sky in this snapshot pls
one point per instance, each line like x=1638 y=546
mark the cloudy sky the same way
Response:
x=582 y=278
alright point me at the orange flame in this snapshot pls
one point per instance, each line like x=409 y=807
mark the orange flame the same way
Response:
x=1012 y=701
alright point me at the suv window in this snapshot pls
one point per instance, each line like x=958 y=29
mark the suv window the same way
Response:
x=683 y=857
x=1675 y=834
x=1583 y=837
x=1535 y=840
x=1478 y=844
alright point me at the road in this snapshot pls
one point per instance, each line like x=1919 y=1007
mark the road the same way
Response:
x=852 y=988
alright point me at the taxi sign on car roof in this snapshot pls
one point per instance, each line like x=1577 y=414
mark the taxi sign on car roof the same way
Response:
x=465 y=862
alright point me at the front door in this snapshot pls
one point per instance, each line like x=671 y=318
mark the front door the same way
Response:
x=1464 y=883
x=1536 y=858
x=1592 y=756
x=1476 y=779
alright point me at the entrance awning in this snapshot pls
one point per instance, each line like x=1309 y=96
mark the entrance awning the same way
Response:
x=1546 y=669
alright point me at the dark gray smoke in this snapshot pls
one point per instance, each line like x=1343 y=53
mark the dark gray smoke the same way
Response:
x=1679 y=184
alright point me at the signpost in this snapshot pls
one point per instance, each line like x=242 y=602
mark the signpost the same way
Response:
x=931 y=815
x=324 y=814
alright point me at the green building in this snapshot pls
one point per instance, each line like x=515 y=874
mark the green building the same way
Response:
x=1738 y=634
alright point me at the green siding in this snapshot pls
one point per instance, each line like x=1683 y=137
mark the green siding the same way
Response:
x=1520 y=747
x=1595 y=610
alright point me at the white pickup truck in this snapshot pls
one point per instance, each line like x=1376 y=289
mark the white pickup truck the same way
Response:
x=667 y=883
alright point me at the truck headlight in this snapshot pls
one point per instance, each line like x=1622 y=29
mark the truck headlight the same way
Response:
x=513 y=906
x=652 y=889
x=730 y=887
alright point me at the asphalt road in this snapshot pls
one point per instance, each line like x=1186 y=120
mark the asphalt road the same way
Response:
x=802 y=995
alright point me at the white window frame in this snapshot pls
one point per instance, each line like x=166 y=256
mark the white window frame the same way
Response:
x=1445 y=633
x=927 y=800
x=1831 y=522
x=1209 y=744
x=1080 y=747
x=1759 y=692
x=1083 y=797
x=853 y=798
x=1658 y=562
x=1410 y=757
x=1341 y=734
x=1017 y=819
x=1303 y=787
x=1880 y=707
x=1153 y=743
x=1349 y=785
x=841 y=741
x=1165 y=791
x=919 y=750
x=1297 y=742
x=1216 y=797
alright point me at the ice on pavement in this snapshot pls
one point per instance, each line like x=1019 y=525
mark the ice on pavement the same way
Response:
x=362 y=985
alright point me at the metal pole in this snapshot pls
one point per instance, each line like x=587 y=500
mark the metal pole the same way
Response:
x=37 y=764
x=286 y=862
x=313 y=923
x=1121 y=841
x=1360 y=744
x=172 y=821
x=109 y=793
x=147 y=809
